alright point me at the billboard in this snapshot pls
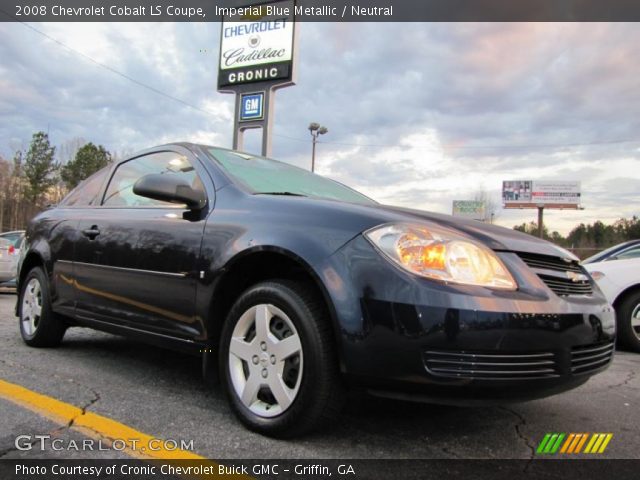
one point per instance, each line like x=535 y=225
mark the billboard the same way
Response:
x=547 y=193
x=258 y=45
x=469 y=209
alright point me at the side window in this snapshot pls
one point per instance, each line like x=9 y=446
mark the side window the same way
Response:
x=631 y=253
x=87 y=192
x=120 y=190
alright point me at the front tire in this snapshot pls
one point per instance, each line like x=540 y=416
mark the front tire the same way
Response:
x=39 y=325
x=278 y=361
x=628 y=321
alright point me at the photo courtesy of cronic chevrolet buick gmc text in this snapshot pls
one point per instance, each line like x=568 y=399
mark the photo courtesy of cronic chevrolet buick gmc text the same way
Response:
x=297 y=288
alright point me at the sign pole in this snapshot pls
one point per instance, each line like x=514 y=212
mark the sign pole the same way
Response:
x=267 y=125
x=540 y=221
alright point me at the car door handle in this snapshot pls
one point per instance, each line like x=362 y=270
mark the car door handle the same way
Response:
x=92 y=232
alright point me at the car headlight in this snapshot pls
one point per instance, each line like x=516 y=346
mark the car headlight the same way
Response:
x=440 y=254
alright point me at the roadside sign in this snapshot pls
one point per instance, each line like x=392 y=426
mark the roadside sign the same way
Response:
x=469 y=209
x=257 y=52
x=251 y=106
x=535 y=194
x=257 y=44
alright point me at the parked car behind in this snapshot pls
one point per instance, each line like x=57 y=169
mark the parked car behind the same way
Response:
x=14 y=237
x=10 y=243
x=619 y=280
x=299 y=287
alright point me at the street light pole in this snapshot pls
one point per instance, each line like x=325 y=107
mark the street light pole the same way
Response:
x=315 y=129
x=313 y=152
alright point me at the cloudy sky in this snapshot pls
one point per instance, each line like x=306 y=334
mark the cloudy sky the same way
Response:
x=418 y=114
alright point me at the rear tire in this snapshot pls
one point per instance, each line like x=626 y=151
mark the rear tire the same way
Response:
x=628 y=321
x=39 y=325
x=278 y=362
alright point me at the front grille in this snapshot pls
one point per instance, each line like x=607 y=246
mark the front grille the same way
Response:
x=496 y=366
x=547 y=262
x=560 y=275
x=565 y=286
x=589 y=358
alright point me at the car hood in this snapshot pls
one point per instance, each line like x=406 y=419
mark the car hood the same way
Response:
x=495 y=237
x=349 y=219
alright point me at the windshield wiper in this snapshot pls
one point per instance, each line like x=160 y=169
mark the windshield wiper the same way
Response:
x=281 y=193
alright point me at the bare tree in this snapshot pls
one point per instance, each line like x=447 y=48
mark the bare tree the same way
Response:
x=492 y=203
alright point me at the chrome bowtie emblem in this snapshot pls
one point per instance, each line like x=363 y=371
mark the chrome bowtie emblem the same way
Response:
x=577 y=277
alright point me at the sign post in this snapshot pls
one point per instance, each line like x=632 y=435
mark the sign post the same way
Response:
x=257 y=57
x=541 y=194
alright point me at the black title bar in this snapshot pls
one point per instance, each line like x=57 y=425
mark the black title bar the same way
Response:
x=323 y=10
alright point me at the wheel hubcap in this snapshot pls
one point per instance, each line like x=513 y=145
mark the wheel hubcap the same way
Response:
x=635 y=320
x=265 y=360
x=31 y=310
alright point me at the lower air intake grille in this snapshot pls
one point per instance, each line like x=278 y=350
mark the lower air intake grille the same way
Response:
x=466 y=364
x=591 y=357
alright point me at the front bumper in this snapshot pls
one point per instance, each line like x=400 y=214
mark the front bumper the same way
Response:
x=467 y=357
x=413 y=338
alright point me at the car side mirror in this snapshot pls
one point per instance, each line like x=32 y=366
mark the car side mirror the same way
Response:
x=170 y=188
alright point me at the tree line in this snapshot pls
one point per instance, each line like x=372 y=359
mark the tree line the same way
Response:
x=40 y=175
x=588 y=239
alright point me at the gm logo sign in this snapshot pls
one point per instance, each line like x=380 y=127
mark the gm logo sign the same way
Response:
x=251 y=106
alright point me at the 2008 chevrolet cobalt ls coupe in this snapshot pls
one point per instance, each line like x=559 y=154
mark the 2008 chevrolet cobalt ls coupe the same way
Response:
x=296 y=287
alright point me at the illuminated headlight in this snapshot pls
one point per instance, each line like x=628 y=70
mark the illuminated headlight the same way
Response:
x=440 y=254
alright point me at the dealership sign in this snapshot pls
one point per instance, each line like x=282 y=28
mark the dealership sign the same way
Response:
x=259 y=48
x=531 y=194
x=469 y=209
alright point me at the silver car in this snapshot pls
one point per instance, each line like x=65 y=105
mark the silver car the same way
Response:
x=10 y=243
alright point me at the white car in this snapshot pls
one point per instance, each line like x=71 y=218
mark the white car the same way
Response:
x=619 y=280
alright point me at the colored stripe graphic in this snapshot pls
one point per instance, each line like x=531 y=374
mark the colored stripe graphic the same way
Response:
x=550 y=443
x=568 y=442
x=606 y=442
x=556 y=445
x=543 y=443
x=598 y=442
x=573 y=443
x=592 y=441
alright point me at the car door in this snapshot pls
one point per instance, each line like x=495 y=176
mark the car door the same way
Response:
x=136 y=263
x=62 y=233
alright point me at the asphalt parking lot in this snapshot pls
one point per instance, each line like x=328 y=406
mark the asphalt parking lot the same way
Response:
x=161 y=393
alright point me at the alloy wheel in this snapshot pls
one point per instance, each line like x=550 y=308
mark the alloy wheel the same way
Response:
x=31 y=310
x=265 y=360
x=635 y=320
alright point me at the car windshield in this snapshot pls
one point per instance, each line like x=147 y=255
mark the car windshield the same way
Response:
x=265 y=176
